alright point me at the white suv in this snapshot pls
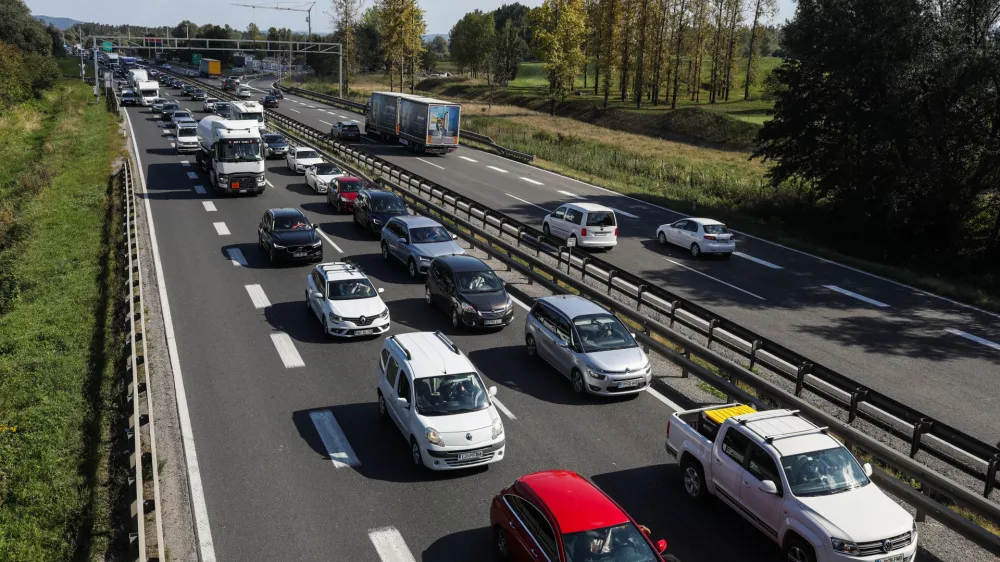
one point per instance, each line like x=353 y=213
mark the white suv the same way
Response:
x=345 y=301
x=588 y=224
x=435 y=396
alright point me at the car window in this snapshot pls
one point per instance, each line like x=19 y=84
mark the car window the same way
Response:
x=821 y=473
x=306 y=154
x=680 y=224
x=349 y=186
x=563 y=328
x=286 y=224
x=573 y=216
x=601 y=218
x=387 y=204
x=317 y=280
x=391 y=371
x=383 y=357
x=734 y=445
x=692 y=226
x=546 y=317
x=536 y=524
x=404 y=386
x=623 y=543
x=716 y=229
x=478 y=282
x=602 y=332
x=351 y=289
x=450 y=394
x=560 y=212
x=762 y=466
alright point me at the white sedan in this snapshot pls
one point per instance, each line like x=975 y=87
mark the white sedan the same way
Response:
x=345 y=301
x=301 y=157
x=699 y=236
x=319 y=176
x=243 y=93
x=208 y=106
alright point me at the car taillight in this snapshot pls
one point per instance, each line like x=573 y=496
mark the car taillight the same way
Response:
x=709 y=237
x=616 y=232
x=668 y=429
x=583 y=232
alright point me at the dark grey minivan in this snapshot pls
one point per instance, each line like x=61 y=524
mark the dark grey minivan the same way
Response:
x=469 y=291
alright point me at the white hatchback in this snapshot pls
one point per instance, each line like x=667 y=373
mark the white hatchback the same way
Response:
x=699 y=236
x=588 y=224
x=301 y=157
x=435 y=396
x=345 y=301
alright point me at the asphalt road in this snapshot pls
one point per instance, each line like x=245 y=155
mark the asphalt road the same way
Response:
x=258 y=372
x=940 y=357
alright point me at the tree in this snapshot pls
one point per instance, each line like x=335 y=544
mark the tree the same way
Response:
x=371 y=52
x=610 y=23
x=681 y=19
x=506 y=54
x=20 y=29
x=559 y=32
x=765 y=9
x=471 y=40
x=56 y=37
x=401 y=26
x=344 y=19
x=517 y=14
x=428 y=60
x=272 y=34
x=439 y=46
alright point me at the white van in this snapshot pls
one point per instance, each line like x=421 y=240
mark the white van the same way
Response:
x=590 y=224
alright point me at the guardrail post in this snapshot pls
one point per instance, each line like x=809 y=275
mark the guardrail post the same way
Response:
x=711 y=331
x=918 y=431
x=991 y=475
x=611 y=279
x=645 y=331
x=858 y=396
x=753 y=352
x=583 y=267
x=687 y=355
x=638 y=300
x=800 y=376
x=673 y=311
x=520 y=231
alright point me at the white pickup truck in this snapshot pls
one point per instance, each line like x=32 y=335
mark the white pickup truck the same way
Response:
x=791 y=480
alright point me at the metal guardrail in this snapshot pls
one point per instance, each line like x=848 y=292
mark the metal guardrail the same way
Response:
x=663 y=304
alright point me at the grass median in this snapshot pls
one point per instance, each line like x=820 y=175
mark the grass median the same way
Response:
x=60 y=299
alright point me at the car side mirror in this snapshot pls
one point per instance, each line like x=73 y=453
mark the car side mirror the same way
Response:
x=404 y=241
x=492 y=391
x=454 y=237
x=381 y=290
x=768 y=487
x=403 y=402
x=661 y=546
x=868 y=468
x=316 y=226
x=563 y=343
x=317 y=295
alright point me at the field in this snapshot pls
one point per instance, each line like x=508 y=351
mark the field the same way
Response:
x=59 y=287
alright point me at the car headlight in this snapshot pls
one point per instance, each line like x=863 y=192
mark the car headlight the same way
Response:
x=317 y=243
x=223 y=179
x=344 y=199
x=433 y=437
x=509 y=304
x=594 y=373
x=466 y=307
x=334 y=318
x=497 y=428
x=423 y=258
x=277 y=246
x=846 y=547
x=913 y=533
x=376 y=222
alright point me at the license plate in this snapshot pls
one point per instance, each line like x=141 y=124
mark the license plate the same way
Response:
x=363 y=332
x=894 y=558
x=298 y=254
x=492 y=322
x=600 y=234
x=467 y=456
x=628 y=384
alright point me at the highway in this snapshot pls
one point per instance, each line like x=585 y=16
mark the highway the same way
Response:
x=927 y=352
x=293 y=459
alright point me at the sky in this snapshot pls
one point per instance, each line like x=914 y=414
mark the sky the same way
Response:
x=441 y=15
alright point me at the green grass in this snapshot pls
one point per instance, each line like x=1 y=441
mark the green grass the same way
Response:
x=57 y=348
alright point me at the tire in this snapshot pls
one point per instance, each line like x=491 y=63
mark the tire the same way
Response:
x=530 y=346
x=545 y=230
x=695 y=250
x=415 y=454
x=270 y=256
x=411 y=267
x=385 y=251
x=501 y=548
x=661 y=238
x=693 y=477
x=357 y=223
x=797 y=550
x=328 y=202
x=455 y=322
x=427 y=295
x=383 y=408
x=340 y=209
x=576 y=377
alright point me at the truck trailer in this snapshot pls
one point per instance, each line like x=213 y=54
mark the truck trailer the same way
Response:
x=136 y=75
x=231 y=152
x=421 y=124
x=209 y=68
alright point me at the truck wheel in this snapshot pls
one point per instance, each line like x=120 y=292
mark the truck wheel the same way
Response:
x=797 y=550
x=694 y=478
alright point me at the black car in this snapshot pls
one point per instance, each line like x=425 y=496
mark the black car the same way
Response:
x=469 y=291
x=275 y=145
x=175 y=83
x=199 y=95
x=269 y=101
x=167 y=112
x=345 y=130
x=287 y=235
x=187 y=89
x=276 y=93
x=373 y=208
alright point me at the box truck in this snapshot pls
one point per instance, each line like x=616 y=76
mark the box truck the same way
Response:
x=209 y=68
x=147 y=91
x=135 y=76
x=231 y=152
x=246 y=61
x=421 y=124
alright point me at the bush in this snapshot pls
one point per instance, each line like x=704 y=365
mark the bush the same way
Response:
x=24 y=75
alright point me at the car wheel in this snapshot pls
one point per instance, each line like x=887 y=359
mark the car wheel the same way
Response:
x=340 y=209
x=693 y=478
x=412 y=268
x=577 y=379
x=357 y=223
x=545 y=230
x=383 y=410
x=455 y=322
x=385 y=251
x=328 y=202
x=415 y=453
x=271 y=256
x=427 y=295
x=326 y=330
x=529 y=344
x=798 y=551
x=502 y=550
x=662 y=238
x=695 y=250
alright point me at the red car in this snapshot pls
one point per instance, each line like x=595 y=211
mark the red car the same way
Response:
x=558 y=515
x=343 y=191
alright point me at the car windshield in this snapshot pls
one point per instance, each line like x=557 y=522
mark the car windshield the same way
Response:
x=187 y=132
x=181 y=114
x=239 y=150
x=620 y=543
x=290 y=223
x=275 y=139
x=327 y=169
x=350 y=289
x=477 y=282
x=820 y=473
x=450 y=394
x=429 y=235
x=170 y=106
x=600 y=218
x=716 y=229
x=602 y=332
x=306 y=154
x=211 y=100
x=387 y=204
x=350 y=186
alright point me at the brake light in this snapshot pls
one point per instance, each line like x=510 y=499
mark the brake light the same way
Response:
x=668 y=428
x=616 y=232
x=583 y=232
x=709 y=237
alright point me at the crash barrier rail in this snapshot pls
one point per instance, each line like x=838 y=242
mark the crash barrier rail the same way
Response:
x=941 y=441
x=363 y=109
x=144 y=471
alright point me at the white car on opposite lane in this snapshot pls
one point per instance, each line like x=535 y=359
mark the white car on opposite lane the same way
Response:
x=345 y=301
x=302 y=157
x=698 y=236
x=319 y=176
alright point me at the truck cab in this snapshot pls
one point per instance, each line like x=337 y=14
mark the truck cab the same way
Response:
x=231 y=152
x=791 y=480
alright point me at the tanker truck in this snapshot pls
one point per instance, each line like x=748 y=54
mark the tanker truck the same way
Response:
x=231 y=153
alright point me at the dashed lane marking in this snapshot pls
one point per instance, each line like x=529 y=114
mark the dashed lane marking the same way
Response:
x=209 y=206
x=501 y=170
x=431 y=164
x=467 y=158
x=529 y=180
x=338 y=449
x=390 y=545
x=199 y=189
x=528 y=202
x=258 y=297
x=221 y=228
x=330 y=240
x=757 y=260
x=691 y=269
x=971 y=337
x=185 y=163
x=286 y=350
x=502 y=408
x=192 y=176
x=573 y=195
x=236 y=256
x=852 y=294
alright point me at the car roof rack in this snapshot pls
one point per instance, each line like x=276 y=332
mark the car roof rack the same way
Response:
x=770 y=438
x=401 y=346
x=766 y=415
x=451 y=345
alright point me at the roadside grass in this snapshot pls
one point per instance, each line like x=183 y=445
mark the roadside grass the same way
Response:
x=57 y=344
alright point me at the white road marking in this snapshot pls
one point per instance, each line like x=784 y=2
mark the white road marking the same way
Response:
x=199 y=189
x=502 y=408
x=715 y=279
x=529 y=180
x=203 y=530
x=519 y=303
x=338 y=449
x=431 y=164
x=298 y=102
x=236 y=255
x=670 y=403
x=258 y=297
x=221 y=228
x=573 y=195
x=467 y=158
x=268 y=183
x=209 y=206
x=328 y=239
x=976 y=339
x=757 y=260
x=327 y=122
x=501 y=170
x=862 y=298
x=286 y=349
x=192 y=176
x=295 y=110
x=523 y=201
x=390 y=545
x=185 y=163
x=342 y=116
x=621 y=212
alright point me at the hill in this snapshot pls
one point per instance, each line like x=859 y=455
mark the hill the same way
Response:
x=60 y=23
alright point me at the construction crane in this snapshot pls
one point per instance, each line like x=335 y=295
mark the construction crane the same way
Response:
x=288 y=6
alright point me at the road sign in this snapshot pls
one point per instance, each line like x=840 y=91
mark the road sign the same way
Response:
x=106 y=46
x=196 y=58
x=571 y=241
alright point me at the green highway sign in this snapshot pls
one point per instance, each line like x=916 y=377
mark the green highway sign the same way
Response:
x=106 y=46
x=196 y=58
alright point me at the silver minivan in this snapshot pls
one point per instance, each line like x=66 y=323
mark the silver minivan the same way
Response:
x=588 y=345
x=592 y=225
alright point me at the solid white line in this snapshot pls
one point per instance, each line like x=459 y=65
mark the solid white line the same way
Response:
x=501 y=170
x=573 y=195
x=621 y=212
x=295 y=110
x=431 y=164
x=716 y=279
x=192 y=176
x=670 y=403
x=502 y=408
x=342 y=116
x=286 y=349
x=209 y=206
x=857 y=296
x=519 y=303
x=236 y=255
x=390 y=545
x=338 y=449
x=467 y=158
x=327 y=122
x=258 y=297
x=976 y=339
x=185 y=163
x=330 y=240
x=529 y=180
x=203 y=529
x=757 y=260
x=528 y=202
x=269 y=184
x=199 y=189
x=221 y=228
